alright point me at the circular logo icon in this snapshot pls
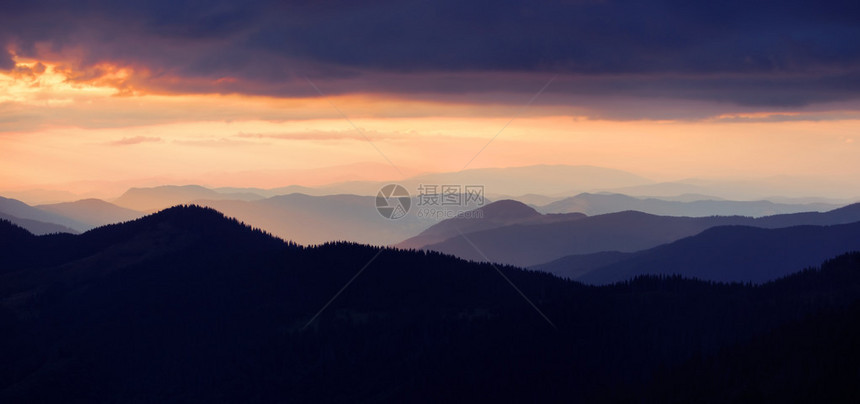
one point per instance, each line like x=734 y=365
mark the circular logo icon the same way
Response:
x=393 y=201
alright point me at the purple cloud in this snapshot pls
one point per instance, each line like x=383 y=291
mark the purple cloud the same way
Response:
x=734 y=52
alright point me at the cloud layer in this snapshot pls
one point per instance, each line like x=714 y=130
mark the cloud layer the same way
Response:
x=759 y=55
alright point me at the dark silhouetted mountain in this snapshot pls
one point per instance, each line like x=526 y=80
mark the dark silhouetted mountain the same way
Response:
x=16 y=209
x=37 y=227
x=12 y=234
x=727 y=254
x=814 y=360
x=493 y=215
x=534 y=244
x=187 y=305
x=168 y=232
x=156 y=198
x=92 y=212
x=598 y=204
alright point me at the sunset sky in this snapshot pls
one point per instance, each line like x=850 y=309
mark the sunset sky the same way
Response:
x=260 y=93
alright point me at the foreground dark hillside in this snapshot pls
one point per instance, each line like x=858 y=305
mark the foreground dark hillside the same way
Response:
x=188 y=306
x=815 y=360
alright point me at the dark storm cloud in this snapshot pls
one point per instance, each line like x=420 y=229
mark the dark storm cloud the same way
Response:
x=769 y=54
x=6 y=62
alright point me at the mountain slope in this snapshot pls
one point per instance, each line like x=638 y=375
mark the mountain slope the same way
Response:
x=576 y=266
x=21 y=210
x=37 y=227
x=844 y=215
x=491 y=216
x=92 y=212
x=816 y=359
x=186 y=305
x=733 y=254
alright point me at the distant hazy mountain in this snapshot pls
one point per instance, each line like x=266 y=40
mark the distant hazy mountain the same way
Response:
x=309 y=219
x=532 y=244
x=844 y=215
x=156 y=198
x=187 y=305
x=92 y=212
x=662 y=190
x=41 y=196
x=526 y=245
x=268 y=193
x=36 y=227
x=21 y=210
x=528 y=199
x=539 y=180
x=725 y=254
x=765 y=188
x=491 y=216
x=597 y=204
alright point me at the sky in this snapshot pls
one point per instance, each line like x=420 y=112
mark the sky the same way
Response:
x=270 y=93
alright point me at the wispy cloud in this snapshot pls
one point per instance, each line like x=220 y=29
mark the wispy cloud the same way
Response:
x=213 y=142
x=323 y=136
x=128 y=141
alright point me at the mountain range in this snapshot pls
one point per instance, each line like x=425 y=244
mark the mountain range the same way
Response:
x=188 y=305
x=528 y=244
x=15 y=209
x=37 y=227
x=92 y=212
x=66 y=217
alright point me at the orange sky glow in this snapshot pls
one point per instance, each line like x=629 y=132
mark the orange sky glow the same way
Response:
x=62 y=129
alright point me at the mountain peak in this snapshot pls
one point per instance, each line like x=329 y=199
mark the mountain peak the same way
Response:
x=508 y=208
